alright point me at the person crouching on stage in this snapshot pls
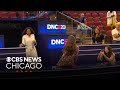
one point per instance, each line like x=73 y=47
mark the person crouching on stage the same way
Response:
x=70 y=53
x=116 y=34
x=29 y=41
x=107 y=56
x=97 y=38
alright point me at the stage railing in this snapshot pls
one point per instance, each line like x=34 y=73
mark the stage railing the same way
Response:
x=10 y=52
x=88 y=53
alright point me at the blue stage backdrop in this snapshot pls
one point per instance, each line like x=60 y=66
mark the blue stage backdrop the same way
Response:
x=51 y=40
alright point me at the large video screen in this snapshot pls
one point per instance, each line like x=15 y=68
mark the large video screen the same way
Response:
x=51 y=27
x=56 y=42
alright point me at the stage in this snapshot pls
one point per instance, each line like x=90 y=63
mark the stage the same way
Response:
x=106 y=72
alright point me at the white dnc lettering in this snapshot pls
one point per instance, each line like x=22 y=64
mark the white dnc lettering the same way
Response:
x=52 y=26
x=55 y=26
x=57 y=41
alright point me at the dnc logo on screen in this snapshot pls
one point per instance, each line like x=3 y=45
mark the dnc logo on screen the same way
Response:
x=57 y=43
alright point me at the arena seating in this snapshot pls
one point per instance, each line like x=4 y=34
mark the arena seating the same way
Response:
x=5 y=15
x=12 y=14
x=94 y=18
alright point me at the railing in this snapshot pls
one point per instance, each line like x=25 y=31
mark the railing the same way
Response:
x=85 y=26
x=82 y=32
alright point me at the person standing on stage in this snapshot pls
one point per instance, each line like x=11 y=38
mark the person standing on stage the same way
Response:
x=29 y=41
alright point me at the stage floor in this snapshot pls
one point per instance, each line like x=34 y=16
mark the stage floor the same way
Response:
x=95 y=72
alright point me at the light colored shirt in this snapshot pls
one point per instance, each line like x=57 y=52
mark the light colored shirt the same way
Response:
x=115 y=31
x=109 y=14
x=30 y=47
x=109 y=17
